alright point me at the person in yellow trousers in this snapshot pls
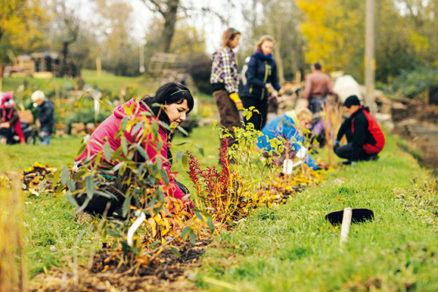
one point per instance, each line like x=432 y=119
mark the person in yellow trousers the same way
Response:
x=224 y=80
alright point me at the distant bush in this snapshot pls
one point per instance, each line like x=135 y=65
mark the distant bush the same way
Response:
x=411 y=83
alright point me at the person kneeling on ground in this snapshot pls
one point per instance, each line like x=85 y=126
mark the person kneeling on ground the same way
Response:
x=365 y=139
x=46 y=116
x=9 y=119
x=288 y=126
x=170 y=105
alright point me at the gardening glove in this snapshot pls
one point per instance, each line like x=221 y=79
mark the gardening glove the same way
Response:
x=236 y=99
x=336 y=144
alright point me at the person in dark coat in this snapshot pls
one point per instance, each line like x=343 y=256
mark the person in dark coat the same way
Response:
x=46 y=116
x=260 y=75
x=365 y=139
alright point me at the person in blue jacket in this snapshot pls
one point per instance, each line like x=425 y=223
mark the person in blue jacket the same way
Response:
x=289 y=127
x=261 y=74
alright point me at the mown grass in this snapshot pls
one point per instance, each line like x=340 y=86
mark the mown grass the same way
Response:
x=293 y=248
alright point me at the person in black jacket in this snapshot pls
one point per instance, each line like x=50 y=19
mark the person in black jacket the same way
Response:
x=260 y=73
x=46 y=117
x=365 y=139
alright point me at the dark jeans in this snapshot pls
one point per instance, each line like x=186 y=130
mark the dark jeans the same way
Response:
x=258 y=119
x=346 y=151
x=316 y=104
x=228 y=113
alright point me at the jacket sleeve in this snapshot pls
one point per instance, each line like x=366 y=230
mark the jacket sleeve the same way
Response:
x=342 y=129
x=360 y=126
x=14 y=117
x=251 y=73
x=274 y=77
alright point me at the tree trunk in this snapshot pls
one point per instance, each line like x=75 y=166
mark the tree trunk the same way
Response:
x=169 y=24
x=2 y=67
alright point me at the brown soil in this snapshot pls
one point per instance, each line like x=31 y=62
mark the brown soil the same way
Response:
x=166 y=273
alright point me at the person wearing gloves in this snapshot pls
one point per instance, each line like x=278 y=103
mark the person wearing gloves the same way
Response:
x=365 y=139
x=260 y=75
x=45 y=117
x=170 y=105
x=9 y=119
x=289 y=127
x=224 y=80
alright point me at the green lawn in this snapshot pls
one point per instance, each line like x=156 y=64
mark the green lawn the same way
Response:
x=296 y=249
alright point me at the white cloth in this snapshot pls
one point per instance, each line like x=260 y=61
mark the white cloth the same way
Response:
x=346 y=86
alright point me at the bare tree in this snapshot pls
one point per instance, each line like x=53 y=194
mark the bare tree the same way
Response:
x=168 y=9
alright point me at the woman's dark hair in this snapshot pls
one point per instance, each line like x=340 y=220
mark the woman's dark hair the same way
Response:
x=229 y=35
x=172 y=92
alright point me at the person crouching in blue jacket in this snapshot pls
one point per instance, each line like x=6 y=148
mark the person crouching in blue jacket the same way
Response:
x=261 y=72
x=288 y=127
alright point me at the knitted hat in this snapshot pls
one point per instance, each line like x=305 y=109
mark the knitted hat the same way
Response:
x=351 y=100
x=38 y=96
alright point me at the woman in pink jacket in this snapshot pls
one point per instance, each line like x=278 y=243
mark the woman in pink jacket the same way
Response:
x=170 y=105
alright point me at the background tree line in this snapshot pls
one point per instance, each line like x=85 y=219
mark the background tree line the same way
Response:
x=330 y=31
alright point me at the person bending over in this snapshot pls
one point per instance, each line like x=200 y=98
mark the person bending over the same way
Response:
x=170 y=105
x=290 y=127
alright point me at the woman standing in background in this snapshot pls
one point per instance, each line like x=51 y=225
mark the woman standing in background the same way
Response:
x=224 y=80
x=260 y=75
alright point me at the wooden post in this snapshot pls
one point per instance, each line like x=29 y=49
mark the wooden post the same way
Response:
x=346 y=221
x=369 y=57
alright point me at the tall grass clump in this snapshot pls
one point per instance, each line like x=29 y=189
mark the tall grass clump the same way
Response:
x=12 y=270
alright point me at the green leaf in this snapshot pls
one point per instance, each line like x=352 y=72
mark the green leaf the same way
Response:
x=178 y=156
x=84 y=205
x=71 y=185
x=199 y=215
x=164 y=176
x=201 y=150
x=107 y=151
x=114 y=233
x=181 y=143
x=181 y=129
x=64 y=175
x=192 y=237
x=210 y=224
x=185 y=159
x=142 y=151
x=124 y=145
x=175 y=251
x=89 y=186
x=155 y=244
x=185 y=231
x=124 y=123
x=126 y=205
x=71 y=199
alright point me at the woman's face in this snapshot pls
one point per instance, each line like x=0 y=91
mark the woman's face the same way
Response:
x=267 y=47
x=235 y=42
x=177 y=112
